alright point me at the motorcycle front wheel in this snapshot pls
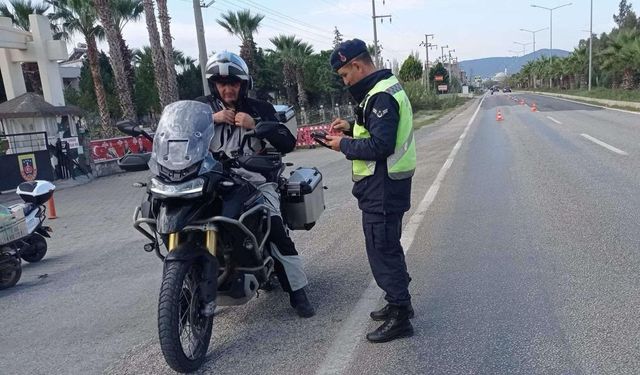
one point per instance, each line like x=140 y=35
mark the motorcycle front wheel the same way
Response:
x=184 y=331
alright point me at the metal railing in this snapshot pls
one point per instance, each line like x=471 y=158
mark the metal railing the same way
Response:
x=324 y=115
x=23 y=142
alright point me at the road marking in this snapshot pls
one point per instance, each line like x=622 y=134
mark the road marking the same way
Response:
x=351 y=332
x=589 y=104
x=605 y=145
x=554 y=120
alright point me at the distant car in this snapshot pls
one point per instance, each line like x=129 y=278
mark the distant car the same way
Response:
x=507 y=89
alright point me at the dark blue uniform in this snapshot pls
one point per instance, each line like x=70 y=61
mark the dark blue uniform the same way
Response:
x=383 y=201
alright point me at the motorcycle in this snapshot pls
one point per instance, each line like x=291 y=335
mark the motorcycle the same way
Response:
x=22 y=233
x=212 y=223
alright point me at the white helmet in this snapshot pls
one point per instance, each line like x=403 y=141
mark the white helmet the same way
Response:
x=227 y=66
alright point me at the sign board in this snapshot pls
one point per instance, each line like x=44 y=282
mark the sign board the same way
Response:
x=72 y=141
x=438 y=78
x=442 y=87
x=110 y=149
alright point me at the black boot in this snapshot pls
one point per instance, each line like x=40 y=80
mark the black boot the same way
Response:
x=395 y=327
x=300 y=303
x=384 y=313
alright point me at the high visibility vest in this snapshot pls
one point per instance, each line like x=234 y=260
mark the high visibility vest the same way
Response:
x=402 y=163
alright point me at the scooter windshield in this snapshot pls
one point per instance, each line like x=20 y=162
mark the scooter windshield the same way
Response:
x=184 y=132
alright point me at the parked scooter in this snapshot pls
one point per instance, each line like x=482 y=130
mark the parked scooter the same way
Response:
x=22 y=233
x=213 y=223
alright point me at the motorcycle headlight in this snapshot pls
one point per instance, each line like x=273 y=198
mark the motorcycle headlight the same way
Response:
x=189 y=189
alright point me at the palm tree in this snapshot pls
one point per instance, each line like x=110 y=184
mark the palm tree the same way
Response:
x=20 y=18
x=285 y=47
x=79 y=16
x=125 y=11
x=159 y=64
x=623 y=55
x=183 y=61
x=172 y=82
x=243 y=25
x=301 y=54
x=105 y=14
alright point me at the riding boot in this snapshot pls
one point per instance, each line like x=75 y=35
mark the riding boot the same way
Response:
x=301 y=304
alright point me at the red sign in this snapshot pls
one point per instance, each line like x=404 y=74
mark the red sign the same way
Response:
x=115 y=148
x=438 y=78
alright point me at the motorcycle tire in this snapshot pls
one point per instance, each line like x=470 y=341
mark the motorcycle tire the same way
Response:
x=39 y=244
x=179 y=308
x=9 y=276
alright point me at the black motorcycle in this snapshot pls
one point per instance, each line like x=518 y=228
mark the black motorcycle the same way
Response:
x=212 y=222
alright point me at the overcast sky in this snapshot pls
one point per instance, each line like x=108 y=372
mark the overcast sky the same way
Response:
x=474 y=28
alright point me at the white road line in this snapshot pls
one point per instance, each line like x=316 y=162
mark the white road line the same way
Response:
x=605 y=145
x=352 y=331
x=589 y=104
x=554 y=120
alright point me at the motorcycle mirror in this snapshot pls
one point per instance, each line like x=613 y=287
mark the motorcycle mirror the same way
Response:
x=132 y=129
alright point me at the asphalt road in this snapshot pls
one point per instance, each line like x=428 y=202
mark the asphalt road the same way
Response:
x=526 y=262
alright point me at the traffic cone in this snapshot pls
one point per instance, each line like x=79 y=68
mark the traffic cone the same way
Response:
x=499 y=116
x=521 y=101
x=51 y=207
x=534 y=108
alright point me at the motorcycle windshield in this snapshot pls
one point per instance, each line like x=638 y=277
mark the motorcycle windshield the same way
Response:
x=184 y=132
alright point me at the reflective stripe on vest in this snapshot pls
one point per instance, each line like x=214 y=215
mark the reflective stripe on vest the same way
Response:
x=402 y=163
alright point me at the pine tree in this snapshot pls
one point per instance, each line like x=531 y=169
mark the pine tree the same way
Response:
x=337 y=38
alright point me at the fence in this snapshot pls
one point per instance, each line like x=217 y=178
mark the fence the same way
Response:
x=323 y=115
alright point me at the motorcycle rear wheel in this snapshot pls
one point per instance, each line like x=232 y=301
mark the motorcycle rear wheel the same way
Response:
x=184 y=332
x=10 y=275
x=39 y=250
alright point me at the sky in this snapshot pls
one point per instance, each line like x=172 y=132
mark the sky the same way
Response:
x=473 y=28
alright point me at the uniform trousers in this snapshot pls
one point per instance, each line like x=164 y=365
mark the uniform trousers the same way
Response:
x=382 y=234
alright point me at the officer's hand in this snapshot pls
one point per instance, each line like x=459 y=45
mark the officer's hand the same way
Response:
x=244 y=120
x=340 y=125
x=334 y=141
x=225 y=116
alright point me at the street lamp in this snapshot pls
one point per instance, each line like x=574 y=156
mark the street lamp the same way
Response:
x=550 y=21
x=533 y=32
x=590 y=44
x=524 y=47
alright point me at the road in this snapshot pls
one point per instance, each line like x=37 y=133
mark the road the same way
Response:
x=524 y=261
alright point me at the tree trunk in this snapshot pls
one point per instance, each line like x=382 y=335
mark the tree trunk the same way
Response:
x=126 y=59
x=172 y=81
x=302 y=95
x=101 y=96
x=628 y=79
x=124 y=93
x=157 y=54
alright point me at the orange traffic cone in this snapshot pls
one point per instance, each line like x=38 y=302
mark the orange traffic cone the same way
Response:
x=499 y=116
x=51 y=208
x=534 y=108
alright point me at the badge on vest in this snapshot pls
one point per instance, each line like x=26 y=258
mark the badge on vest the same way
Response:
x=380 y=113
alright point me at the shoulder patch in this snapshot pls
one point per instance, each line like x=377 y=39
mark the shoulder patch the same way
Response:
x=380 y=113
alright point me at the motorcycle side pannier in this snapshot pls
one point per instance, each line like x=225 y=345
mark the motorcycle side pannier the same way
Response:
x=303 y=198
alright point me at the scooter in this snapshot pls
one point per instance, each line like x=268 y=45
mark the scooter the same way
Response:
x=22 y=233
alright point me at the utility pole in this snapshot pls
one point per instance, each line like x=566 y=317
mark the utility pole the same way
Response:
x=426 y=45
x=591 y=45
x=202 y=47
x=375 y=31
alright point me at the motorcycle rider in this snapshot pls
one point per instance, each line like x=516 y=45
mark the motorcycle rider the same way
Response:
x=234 y=115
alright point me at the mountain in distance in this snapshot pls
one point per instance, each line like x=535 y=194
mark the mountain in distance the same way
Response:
x=490 y=66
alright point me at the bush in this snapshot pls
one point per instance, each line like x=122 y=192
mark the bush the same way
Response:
x=419 y=97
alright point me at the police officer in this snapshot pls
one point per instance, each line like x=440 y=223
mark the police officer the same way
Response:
x=234 y=115
x=381 y=147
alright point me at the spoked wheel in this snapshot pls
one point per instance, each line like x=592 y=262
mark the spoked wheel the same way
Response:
x=184 y=331
x=10 y=273
x=38 y=248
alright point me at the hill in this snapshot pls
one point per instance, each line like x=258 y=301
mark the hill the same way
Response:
x=490 y=66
